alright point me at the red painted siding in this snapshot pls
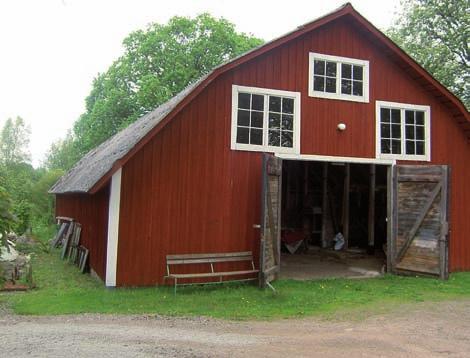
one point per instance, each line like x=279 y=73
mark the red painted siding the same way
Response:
x=185 y=191
x=92 y=212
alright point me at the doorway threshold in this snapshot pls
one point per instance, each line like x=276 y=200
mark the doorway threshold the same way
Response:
x=317 y=264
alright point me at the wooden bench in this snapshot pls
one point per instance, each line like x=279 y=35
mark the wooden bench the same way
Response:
x=209 y=260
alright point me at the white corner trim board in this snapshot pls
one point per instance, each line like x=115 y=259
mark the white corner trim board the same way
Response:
x=113 y=229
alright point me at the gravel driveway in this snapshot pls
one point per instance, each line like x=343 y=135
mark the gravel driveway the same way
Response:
x=427 y=330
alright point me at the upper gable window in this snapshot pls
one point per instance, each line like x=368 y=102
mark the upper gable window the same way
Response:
x=265 y=120
x=403 y=131
x=337 y=77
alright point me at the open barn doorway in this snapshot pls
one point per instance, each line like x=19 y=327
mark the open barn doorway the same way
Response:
x=322 y=199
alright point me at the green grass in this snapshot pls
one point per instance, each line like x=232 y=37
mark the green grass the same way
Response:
x=63 y=290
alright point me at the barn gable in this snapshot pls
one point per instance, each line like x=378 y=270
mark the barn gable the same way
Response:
x=96 y=167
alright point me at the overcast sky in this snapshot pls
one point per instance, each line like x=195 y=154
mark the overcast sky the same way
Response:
x=52 y=49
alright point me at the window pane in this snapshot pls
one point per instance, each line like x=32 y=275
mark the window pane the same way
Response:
x=357 y=88
x=287 y=122
x=385 y=130
x=420 y=132
x=242 y=135
x=243 y=118
x=346 y=71
x=319 y=83
x=396 y=131
x=420 y=148
x=244 y=100
x=256 y=136
x=286 y=139
x=346 y=86
x=409 y=117
x=385 y=146
x=288 y=105
x=257 y=102
x=274 y=138
x=319 y=67
x=276 y=117
x=396 y=116
x=410 y=132
x=274 y=104
x=419 y=117
x=385 y=115
x=331 y=69
x=330 y=85
x=410 y=147
x=412 y=141
x=358 y=73
x=274 y=120
x=396 y=146
x=257 y=119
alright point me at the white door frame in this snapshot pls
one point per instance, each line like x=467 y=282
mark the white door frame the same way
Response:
x=390 y=163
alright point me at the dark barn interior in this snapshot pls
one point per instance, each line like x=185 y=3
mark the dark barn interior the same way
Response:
x=320 y=199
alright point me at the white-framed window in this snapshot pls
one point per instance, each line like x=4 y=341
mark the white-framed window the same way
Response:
x=265 y=120
x=403 y=131
x=337 y=77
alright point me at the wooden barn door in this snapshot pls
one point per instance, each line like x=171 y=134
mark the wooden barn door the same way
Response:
x=270 y=219
x=420 y=210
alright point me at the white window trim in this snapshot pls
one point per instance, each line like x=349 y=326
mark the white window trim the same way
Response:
x=265 y=148
x=427 y=131
x=338 y=95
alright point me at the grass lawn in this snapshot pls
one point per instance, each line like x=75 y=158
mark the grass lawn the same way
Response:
x=63 y=290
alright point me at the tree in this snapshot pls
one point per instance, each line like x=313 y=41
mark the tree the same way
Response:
x=436 y=34
x=62 y=155
x=17 y=178
x=24 y=201
x=7 y=219
x=157 y=63
x=42 y=204
x=14 y=141
x=16 y=171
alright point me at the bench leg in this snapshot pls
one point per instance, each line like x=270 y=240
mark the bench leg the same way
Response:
x=176 y=283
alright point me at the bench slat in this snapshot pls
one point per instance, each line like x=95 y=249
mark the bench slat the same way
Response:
x=208 y=260
x=211 y=274
x=200 y=256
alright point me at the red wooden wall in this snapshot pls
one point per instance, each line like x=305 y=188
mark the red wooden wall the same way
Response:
x=187 y=192
x=92 y=212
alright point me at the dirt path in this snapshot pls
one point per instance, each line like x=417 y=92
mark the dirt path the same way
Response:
x=427 y=330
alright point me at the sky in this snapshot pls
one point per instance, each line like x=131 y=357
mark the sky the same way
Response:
x=51 y=50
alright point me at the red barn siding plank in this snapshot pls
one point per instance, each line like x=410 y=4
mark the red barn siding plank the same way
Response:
x=158 y=206
x=269 y=70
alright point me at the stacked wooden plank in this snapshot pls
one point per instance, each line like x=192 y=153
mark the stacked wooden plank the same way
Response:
x=68 y=238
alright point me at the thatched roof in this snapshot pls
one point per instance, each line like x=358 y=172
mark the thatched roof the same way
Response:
x=99 y=161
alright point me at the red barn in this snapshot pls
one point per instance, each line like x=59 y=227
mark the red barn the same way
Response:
x=370 y=144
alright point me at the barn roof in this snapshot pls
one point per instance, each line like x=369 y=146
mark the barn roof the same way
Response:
x=97 y=162
x=98 y=165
